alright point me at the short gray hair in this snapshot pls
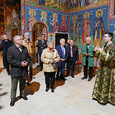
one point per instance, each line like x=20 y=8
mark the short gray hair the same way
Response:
x=88 y=38
x=61 y=39
x=15 y=37
x=50 y=41
x=26 y=33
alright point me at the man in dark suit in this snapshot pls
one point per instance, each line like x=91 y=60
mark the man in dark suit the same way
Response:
x=6 y=43
x=18 y=57
x=63 y=53
x=42 y=44
x=72 y=58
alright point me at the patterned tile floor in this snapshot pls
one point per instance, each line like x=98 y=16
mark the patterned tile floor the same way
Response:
x=71 y=97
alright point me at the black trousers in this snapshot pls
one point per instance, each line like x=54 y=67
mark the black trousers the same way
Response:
x=86 y=68
x=71 y=64
x=41 y=63
x=6 y=64
x=48 y=76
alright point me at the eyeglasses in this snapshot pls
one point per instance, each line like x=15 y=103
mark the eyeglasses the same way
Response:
x=20 y=39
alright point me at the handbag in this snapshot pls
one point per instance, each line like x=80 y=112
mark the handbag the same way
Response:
x=56 y=65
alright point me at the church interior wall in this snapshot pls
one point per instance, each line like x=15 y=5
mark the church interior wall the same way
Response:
x=55 y=20
x=91 y=7
x=64 y=12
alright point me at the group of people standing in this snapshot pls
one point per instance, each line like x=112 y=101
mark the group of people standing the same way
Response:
x=20 y=56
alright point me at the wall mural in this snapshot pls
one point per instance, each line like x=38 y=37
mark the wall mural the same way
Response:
x=112 y=25
x=64 y=24
x=54 y=21
x=44 y=19
x=60 y=5
x=112 y=28
x=13 y=16
x=112 y=7
x=92 y=22
x=31 y=20
x=22 y=19
x=77 y=5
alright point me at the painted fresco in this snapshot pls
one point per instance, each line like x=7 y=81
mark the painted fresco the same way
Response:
x=60 y=5
x=22 y=20
x=112 y=28
x=92 y=22
x=2 y=23
x=54 y=21
x=44 y=19
x=77 y=5
x=31 y=20
x=22 y=2
x=112 y=7
x=13 y=14
x=64 y=24
x=112 y=25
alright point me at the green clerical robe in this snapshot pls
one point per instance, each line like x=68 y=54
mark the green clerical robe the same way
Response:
x=104 y=88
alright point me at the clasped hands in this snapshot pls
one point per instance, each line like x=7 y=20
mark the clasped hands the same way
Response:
x=24 y=63
x=86 y=54
x=51 y=61
x=97 y=48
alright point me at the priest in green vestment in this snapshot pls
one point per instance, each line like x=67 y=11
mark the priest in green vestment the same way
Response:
x=104 y=88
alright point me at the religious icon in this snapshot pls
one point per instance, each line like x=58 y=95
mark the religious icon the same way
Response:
x=44 y=19
x=54 y=23
x=86 y=26
x=14 y=19
x=64 y=24
x=98 y=28
x=74 y=27
x=32 y=20
x=22 y=21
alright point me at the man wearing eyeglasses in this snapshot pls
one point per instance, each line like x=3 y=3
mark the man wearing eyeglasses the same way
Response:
x=18 y=57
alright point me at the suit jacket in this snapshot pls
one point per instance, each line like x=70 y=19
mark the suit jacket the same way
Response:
x=41 y=46
x=5 y=45
x=58 y=48
x=75 y=54
x=15 y=58
x=90 y=57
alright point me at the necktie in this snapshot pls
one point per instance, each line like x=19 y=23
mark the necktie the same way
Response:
x=63 y=52
x=71 y=52
x=20 y=48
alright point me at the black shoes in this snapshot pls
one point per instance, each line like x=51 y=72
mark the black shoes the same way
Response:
x=72 y=76
x=12 y=103
x=57 y=78
x=89 y=79
x=67 y=75
x=24 y=97
x=9 y=73
x=83 y=78
x=63 y=78
x=47 y=89
x=52 y=90
x=27 y=83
